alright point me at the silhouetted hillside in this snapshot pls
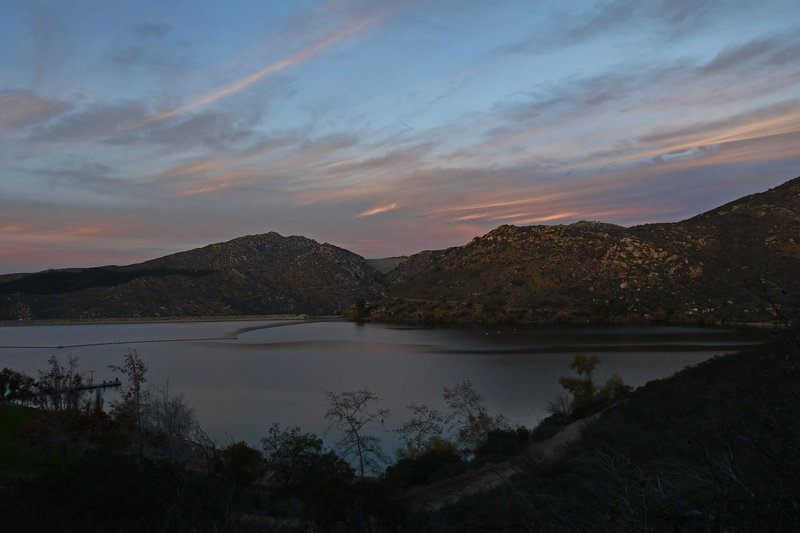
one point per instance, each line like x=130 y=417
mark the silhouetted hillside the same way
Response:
x=259 y=274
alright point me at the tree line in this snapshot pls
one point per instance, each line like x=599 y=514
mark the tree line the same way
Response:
x=151 y=433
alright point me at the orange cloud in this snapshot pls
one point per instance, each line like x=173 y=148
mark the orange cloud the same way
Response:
x=474 y=216
x=492 y=205
x=754 y=131
x=12 y=228
x=378 y=210
x=547 y=218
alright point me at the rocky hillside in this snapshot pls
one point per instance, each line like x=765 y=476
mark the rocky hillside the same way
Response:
x=736 y=262
x=258 y=274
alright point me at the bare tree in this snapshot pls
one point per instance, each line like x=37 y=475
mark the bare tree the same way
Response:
x=426 y=424
x=59 y=393
x=134 y=396
x=352 y=413
x=469 y=416
x=560 y=407
x=61 y=388
x=173 y=419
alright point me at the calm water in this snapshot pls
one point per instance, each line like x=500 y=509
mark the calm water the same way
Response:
x=242 y=376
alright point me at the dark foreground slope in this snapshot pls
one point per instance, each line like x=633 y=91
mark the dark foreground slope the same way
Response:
x=713 y=448
x=258 y=274
x=739 y=261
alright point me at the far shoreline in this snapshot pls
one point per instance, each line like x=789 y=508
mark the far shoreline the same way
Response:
x=161 y=320
x=303 y=317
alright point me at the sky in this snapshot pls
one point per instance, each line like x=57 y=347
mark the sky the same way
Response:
x=134 y=129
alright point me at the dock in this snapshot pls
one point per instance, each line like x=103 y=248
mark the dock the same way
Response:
x=103 y=385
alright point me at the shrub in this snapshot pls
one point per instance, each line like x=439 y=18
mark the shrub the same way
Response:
x=586 y=397
x=659 y=316
x=298 y=462
x=433 y=465
x=502 y=444
x=242 y=464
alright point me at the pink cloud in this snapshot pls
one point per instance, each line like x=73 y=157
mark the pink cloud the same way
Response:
x=377 y=210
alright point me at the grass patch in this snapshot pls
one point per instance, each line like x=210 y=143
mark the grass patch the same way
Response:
x=12 y=417
x=16 y=458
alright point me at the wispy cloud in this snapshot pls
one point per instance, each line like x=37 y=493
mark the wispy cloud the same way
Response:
x=49 y=45
x=292 y=60
x=91 y=121
x=21 y=108
x=391 y=126
x=378 y=210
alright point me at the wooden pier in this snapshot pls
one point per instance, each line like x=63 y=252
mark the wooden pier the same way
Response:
x=103 y=385
x=90 y=386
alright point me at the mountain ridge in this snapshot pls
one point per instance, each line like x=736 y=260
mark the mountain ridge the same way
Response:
x=251 y=275
x=735 y=262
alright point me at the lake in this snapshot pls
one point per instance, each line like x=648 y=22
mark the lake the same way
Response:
x=241 y=376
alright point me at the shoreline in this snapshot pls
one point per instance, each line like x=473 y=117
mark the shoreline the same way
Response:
x=161 y=320
x=302 y=317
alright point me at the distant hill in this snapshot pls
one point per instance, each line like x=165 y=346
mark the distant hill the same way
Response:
x=386 y=264
x=737 y=262
x=253 y=275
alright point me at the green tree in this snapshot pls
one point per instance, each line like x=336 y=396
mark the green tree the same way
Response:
x=581 y=388
x=237 y=470
x=14 y=386
x=298 y=461
x=243 y=464
x=291 y=454
x=586 y=396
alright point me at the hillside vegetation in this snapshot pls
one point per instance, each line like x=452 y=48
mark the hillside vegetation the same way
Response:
x=713 y=448
x=736 y=262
